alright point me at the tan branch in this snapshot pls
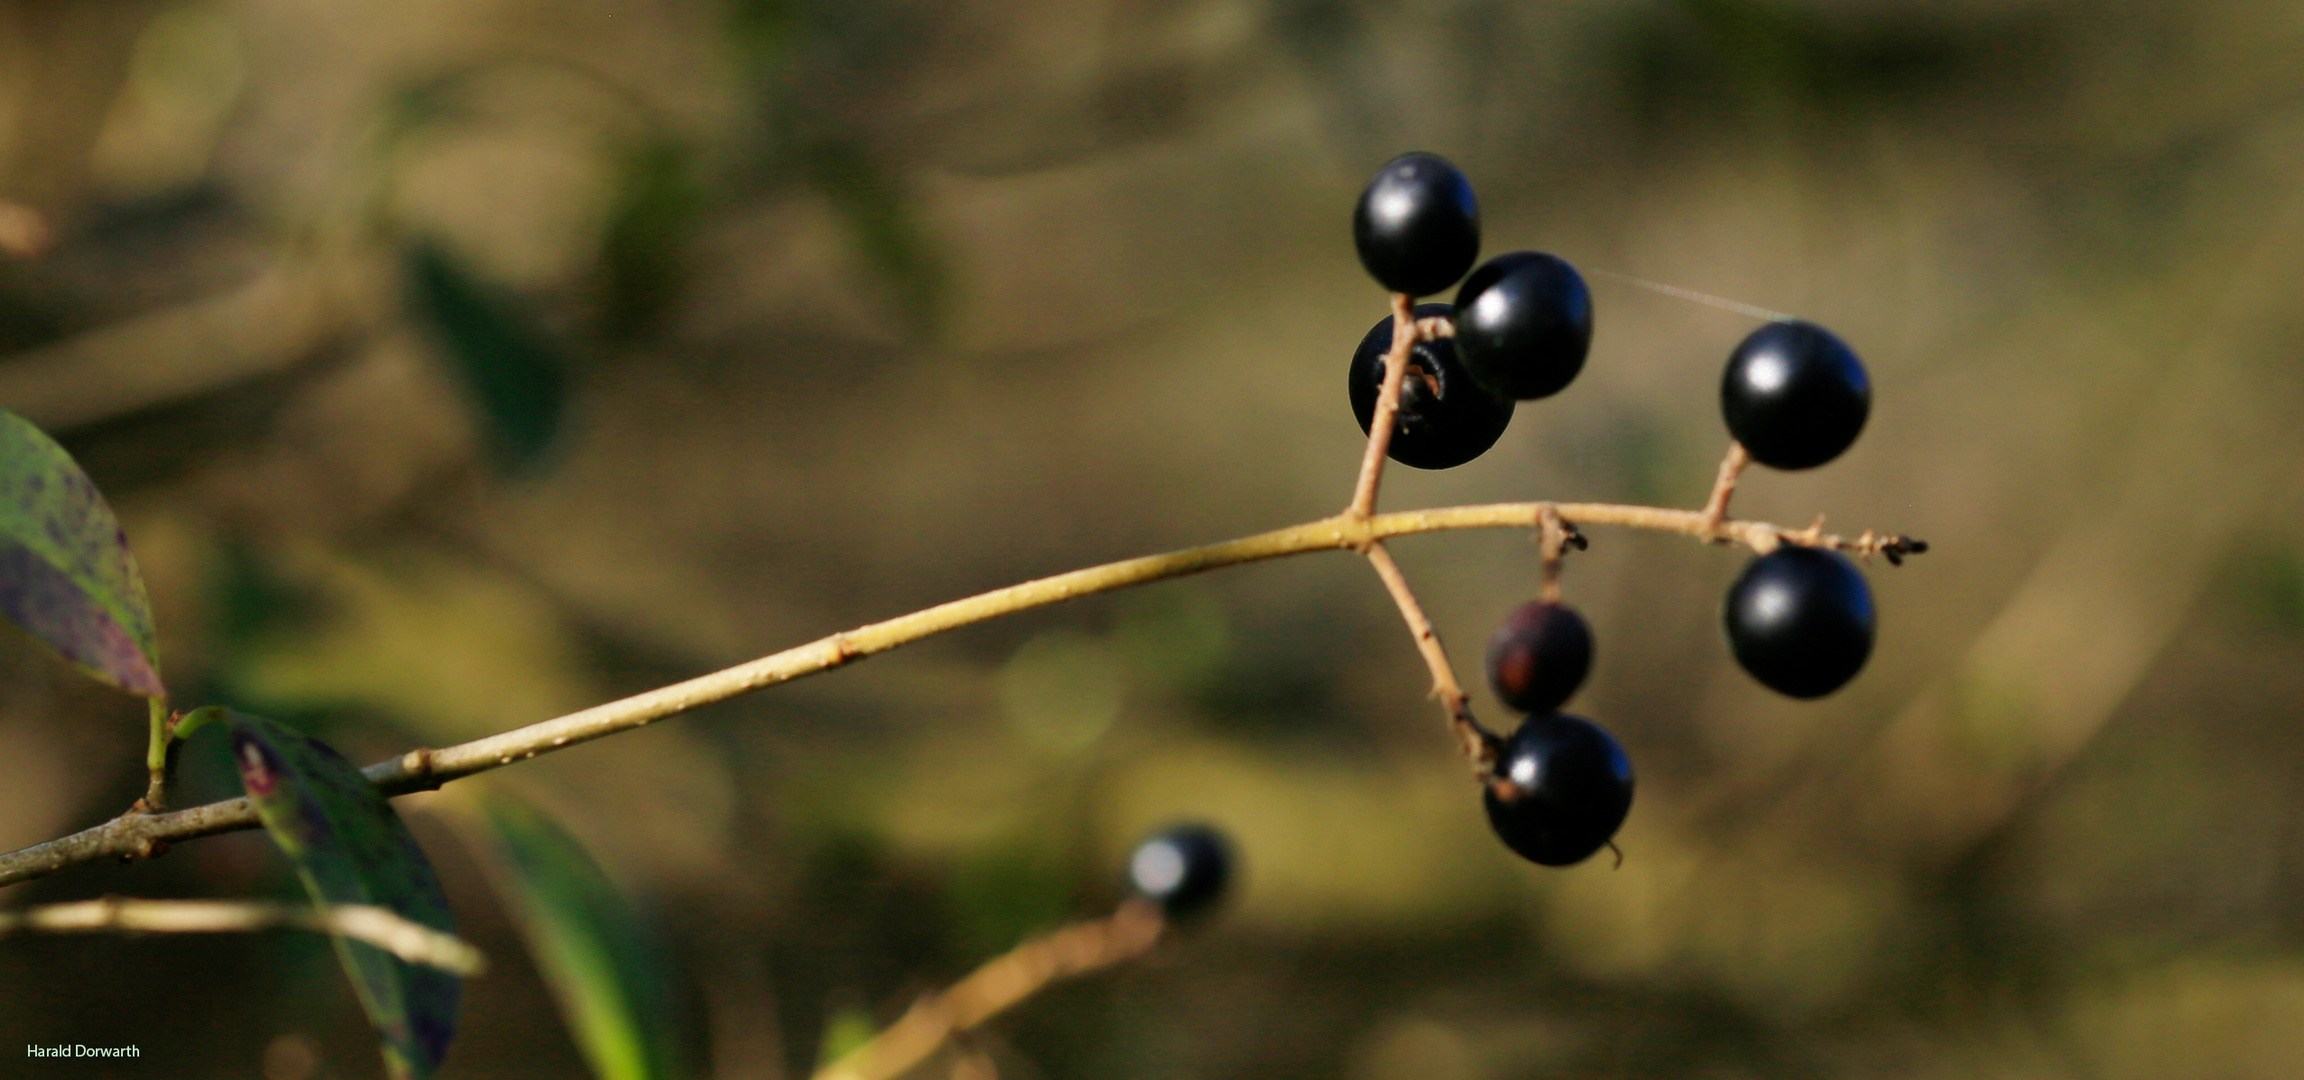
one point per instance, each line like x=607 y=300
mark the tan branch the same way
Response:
x=24 y=234
x=1479 y=744
x=410 y=941
x=1404 y=332
x=1021 y=972
x=142 y=835
x=1724 y=485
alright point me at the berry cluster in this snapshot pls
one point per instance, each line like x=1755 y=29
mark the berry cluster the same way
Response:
x=1794 y=396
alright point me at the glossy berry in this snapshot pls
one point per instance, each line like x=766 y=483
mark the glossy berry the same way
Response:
x=1561 y=788
x=1445 y=418
x=1183 y=869
x=1539 y=656
x=1800 y=620
x=1523 y=324
x=1417 y=226
x=1794 y=395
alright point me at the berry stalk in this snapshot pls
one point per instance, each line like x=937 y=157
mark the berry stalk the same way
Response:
x=1405 y=329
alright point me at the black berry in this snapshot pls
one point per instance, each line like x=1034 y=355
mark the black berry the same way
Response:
x=1417 y=227
x=1794 y=395
x=1800 y=620
x=1562 y=786
x=1523 y=324
x=1538 y=656
x=1184 y=869
x=1446 y=418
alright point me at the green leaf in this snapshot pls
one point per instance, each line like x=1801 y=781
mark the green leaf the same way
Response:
x=65 y=571
x=349 y=847
x=516 y=373
x=644 y=251
x=844 y=1034
x=600 y=958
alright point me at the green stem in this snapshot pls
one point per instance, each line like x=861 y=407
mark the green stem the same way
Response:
x=156 y=757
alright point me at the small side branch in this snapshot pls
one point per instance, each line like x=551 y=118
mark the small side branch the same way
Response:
x=1404 y=333
x=410 y=941
x=1554 y=538
x=1001 y=983
x=1478 y=743
x=1723 y=488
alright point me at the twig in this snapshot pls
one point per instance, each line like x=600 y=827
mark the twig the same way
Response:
x=970 y=1062
x=1554 y=537
x=141 y=835
x=1021 y=972
x=1479 y=743
x=1387 y=412
x=1724 y=486
x=410 y=941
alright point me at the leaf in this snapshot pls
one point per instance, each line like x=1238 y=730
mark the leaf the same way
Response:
x=844 y=1034
x=66 y=573
x=644 y=250
x=601 y=959
x=351 y=848
x=515 y=372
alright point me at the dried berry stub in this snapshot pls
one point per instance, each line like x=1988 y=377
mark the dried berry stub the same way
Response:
x=1561 y=789
x=1800 y=620
x=1183 y=869
x=1417 y=226
x=1794 y=395
x=1524 y=324
x=1446 y=418
x=1538 y=656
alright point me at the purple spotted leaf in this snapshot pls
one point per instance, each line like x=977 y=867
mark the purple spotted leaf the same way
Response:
x=65 y=571
x=351 y=848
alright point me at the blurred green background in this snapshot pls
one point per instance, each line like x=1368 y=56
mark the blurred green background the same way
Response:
x=455 y=365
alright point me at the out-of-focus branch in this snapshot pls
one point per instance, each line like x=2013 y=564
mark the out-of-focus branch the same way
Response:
x=1021 y=972
x=410 y=941
x=24 y=234
x=268 y=325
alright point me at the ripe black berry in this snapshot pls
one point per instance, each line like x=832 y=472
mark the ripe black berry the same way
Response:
x=1417 y=227
x=1538 y=656
x=1523 y=324
x=1794 y=395
x=1800 y=620
x=1184 y=869
x=1445 y=418
x=1562 y=786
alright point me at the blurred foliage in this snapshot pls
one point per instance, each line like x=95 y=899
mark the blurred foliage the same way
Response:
x=607 y=968
x=867 y=306
x=516 y=373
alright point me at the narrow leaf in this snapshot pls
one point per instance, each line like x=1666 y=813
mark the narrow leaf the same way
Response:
x=601 y=959
x=515 y=371
x=65 y=571
x=351 y=848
